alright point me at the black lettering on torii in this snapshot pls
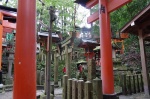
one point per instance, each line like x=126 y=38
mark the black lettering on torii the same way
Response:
x=102 y=9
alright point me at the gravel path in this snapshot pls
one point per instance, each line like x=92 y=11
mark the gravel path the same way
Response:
x=9 y=94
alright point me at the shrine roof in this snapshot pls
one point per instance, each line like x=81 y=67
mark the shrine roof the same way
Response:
x=141 y=20
x=4 y=45
x=55 y=37
x=82 y=2
x=46 y=34
x=8 y=9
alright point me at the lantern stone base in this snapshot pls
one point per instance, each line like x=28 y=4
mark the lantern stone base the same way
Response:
x=110 y=96
x=1 y=88
x=56 y=85
x=8 y=81
x=44 y=96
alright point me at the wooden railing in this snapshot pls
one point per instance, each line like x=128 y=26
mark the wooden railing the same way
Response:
x=132 y=84
x=78 y=89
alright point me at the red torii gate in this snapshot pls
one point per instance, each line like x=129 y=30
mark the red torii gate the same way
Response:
x=5 y=26
x=106 y=7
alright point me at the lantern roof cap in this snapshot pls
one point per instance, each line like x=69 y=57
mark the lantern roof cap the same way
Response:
x=97 y=48
x=82 y=2
x=81 y=62
x=84 y=43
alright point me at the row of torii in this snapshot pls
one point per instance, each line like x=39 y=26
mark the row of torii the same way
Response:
x=25 y=52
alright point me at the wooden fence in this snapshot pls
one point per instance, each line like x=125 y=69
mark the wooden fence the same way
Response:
x=78 y=89
x=132 y=84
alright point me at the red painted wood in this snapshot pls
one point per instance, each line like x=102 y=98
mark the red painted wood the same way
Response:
x=106 y=51
x=1 y=33
x=9 y=13
x=115 y=4
x=93 y=17
x=112 y=5
x=9 y=24
x=25 y=52
x=91 y=3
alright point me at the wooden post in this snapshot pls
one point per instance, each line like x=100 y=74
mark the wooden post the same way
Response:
x=134 y=87
x=138 y=86
x=124 y=87
x=69 y=89
x=67 y=62
x=55 y=70
x=91 y=69
x=80 y=89
x=74 y=89
x=144 y=67
x=97 y=89
x=142 y=87
x=65 y=78
x=25 y=51
x=88 y=90
x=129 y=85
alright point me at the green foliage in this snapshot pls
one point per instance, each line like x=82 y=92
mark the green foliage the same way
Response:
x=73 y=69
x=121 y=16
x=124 y=14
x=66 y=13
x=40 y=65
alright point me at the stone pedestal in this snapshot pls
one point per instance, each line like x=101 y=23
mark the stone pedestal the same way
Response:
x=110 y=96
x=91 y=69
x=1 y=77
x=10 y=61
x=56 y=71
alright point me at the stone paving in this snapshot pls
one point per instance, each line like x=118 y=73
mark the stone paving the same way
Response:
x=134 y=96
x=58 y=95
x=9 y=94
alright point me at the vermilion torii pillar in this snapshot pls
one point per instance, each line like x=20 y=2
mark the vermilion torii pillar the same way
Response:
x=106 y=6
x=25 y=52
x=1 y=33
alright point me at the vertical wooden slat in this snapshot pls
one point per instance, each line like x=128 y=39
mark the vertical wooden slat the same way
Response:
x=129 y=85
x=65 y=78
x=80 y=89
x=74 y=89
x=69 y=89
x=138 y=86
x=97 y=89
x=88 y=90
x=134 y=87
x=142 y=86
x=124 y=87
